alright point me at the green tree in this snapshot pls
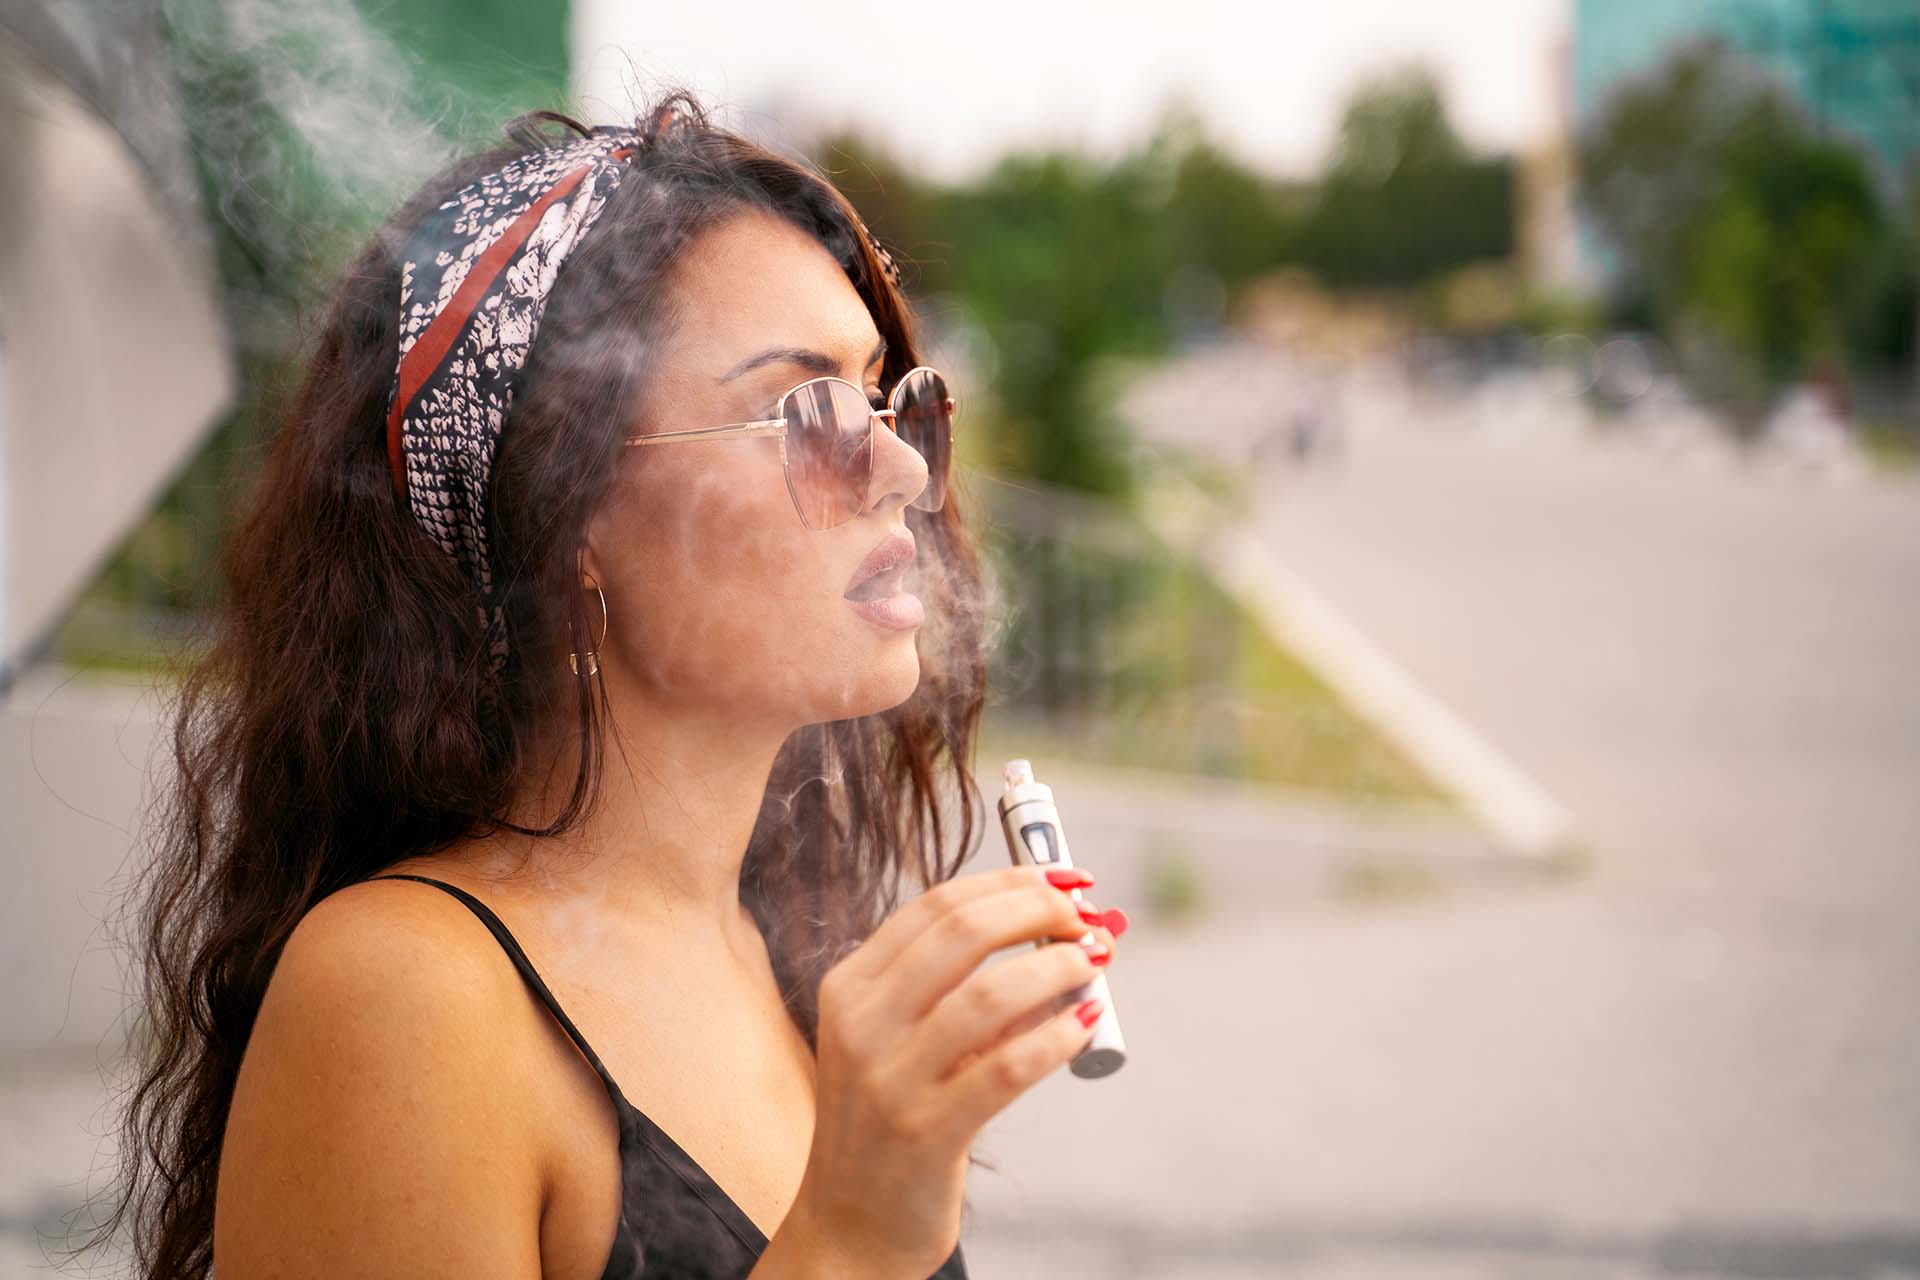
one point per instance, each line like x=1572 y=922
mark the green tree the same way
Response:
x=1222 y=218
x=1064 y=259
x=1746 y=235
x=1061 y=260
x=1403 y=201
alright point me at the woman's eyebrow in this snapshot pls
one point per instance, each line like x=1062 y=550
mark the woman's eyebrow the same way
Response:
x=818 y=362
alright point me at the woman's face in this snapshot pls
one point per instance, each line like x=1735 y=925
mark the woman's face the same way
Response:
x=718 y=595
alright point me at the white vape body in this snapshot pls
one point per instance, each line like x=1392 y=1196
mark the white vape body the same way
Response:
x=1034 y=834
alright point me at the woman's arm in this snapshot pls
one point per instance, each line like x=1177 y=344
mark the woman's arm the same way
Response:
x=803 y=1249
x=378 y=1127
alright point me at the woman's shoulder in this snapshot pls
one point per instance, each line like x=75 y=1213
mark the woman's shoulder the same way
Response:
x=394 y=946
x=401 y=967
x=373 y=1078
x=393 y=978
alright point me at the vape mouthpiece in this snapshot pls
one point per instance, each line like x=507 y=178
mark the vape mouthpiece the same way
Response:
x=1017 y=773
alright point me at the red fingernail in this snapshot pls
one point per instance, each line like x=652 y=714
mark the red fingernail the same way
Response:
x=1068 y=878
x=1088 y=1013
x=1116 y=921
x=1098 y=952
x=1090 y=915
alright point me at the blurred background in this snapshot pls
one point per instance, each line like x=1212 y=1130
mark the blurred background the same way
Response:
x=1450 y=480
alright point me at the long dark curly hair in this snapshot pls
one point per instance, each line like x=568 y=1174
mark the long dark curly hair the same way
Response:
x=332 y=723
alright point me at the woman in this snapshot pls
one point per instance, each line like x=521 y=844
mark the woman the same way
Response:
x=526 y=904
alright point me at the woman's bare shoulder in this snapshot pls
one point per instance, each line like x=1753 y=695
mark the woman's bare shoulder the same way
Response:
x=379 y=950
x=382 y=1087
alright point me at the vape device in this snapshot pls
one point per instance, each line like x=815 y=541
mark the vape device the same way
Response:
x=1034 y=835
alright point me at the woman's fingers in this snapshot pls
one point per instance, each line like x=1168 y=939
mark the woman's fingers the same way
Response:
x=1001 y=1001
x=955 y=944
x=985 y=1086
x=901 y=928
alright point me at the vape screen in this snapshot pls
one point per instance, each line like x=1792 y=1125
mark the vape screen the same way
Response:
x=1039 y=838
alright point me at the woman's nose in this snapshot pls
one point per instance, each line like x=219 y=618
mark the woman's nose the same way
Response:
x=899 y=472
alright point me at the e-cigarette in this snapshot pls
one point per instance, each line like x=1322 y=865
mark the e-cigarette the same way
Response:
x=1034 y=835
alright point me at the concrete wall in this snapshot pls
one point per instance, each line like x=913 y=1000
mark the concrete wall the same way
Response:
x=113 y=361
x=74 y=752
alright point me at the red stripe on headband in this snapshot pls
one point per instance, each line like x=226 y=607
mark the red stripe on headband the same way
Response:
x=425 y=355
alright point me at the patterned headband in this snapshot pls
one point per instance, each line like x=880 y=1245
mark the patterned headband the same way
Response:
x=475 y=275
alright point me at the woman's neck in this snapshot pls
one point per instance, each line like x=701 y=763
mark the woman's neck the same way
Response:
x=661 y=851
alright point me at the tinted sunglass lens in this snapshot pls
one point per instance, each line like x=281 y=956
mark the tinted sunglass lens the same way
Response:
x=923 y=421
x=829 y=451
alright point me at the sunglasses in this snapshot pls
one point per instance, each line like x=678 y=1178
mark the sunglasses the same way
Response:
x=825 y=426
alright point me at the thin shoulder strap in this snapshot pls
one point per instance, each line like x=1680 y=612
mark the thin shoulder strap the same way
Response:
x=519 y=957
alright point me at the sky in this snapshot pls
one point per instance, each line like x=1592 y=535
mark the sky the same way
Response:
x=950 y=89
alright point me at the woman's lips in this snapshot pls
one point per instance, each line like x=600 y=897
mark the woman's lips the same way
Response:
x=880 y=585
x=890 y=552
x=884 y=601
x=899 y=612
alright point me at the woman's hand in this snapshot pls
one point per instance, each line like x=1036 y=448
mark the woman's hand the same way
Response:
x=917 y=1051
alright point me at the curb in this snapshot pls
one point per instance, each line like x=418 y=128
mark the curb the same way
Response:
x=1524 y=820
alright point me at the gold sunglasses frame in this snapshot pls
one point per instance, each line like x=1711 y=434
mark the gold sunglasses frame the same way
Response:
x=778 y=427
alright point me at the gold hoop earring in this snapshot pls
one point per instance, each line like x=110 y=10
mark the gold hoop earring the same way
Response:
x=588 y=663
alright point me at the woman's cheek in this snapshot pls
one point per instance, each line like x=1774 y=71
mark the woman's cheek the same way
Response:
x=767 y=629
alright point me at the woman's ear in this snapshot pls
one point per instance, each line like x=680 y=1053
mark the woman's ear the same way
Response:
x=596 y=553
x=588 y=563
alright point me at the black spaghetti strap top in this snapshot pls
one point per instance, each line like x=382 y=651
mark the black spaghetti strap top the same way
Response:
x=675 y=1221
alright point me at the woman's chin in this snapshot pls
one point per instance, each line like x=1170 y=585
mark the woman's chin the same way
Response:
x=885 y=682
